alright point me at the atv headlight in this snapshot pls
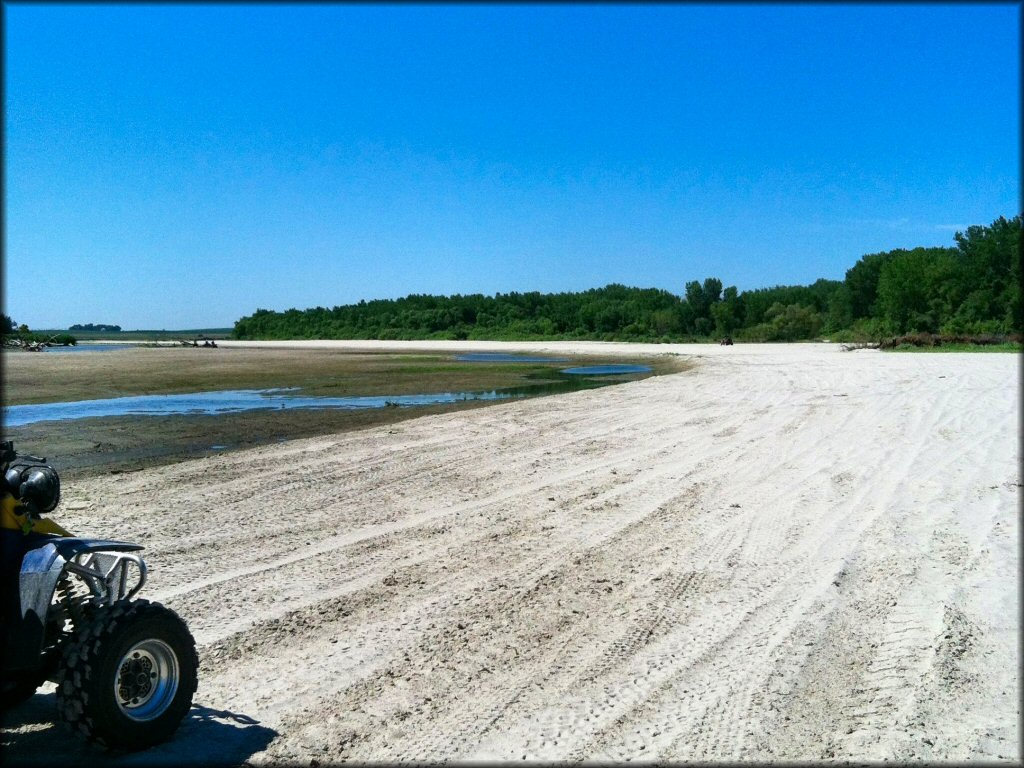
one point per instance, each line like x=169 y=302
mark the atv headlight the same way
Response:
x=40 y=488
x=13 y=479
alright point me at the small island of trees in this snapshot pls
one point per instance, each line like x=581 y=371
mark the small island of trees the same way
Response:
x=96 y=327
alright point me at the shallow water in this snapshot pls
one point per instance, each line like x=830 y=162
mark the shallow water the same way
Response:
x=230 y=401
x=89 y=348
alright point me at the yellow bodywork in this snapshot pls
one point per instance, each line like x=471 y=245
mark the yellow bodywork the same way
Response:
x=14 y=520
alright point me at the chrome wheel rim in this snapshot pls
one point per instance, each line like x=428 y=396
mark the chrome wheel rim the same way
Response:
x=147 y=679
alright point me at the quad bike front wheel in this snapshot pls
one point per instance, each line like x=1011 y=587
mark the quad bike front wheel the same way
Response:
x=127 y=680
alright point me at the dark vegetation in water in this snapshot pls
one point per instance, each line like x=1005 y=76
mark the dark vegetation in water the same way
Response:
x=972 y=288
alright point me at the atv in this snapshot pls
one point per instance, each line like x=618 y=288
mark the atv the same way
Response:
x=125 y=669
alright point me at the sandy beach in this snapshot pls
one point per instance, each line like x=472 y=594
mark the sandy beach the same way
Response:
x=788 y=552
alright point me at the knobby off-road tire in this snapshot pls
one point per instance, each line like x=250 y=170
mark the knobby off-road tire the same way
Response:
x=128 y=679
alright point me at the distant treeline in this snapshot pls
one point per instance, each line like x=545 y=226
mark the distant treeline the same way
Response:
x=972 y=288
x=95 y=327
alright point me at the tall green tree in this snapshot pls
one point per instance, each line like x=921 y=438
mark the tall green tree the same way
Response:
x=701 y=298
x=696 y=299
x=728 y=313
x=792 y=323
x=990 y=279
x=712 y=290
x=862 y=283
x=917 y=289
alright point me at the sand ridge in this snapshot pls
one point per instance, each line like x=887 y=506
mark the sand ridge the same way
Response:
x=789 y=552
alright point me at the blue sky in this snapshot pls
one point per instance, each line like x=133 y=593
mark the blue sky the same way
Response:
x=180 y=166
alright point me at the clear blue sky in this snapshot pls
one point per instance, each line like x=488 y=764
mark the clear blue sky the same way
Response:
x=180 y=166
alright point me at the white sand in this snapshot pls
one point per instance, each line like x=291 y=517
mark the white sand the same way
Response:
x=788 y=553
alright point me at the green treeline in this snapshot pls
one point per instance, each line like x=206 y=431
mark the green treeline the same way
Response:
x=96 y=327
x=972 y=288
